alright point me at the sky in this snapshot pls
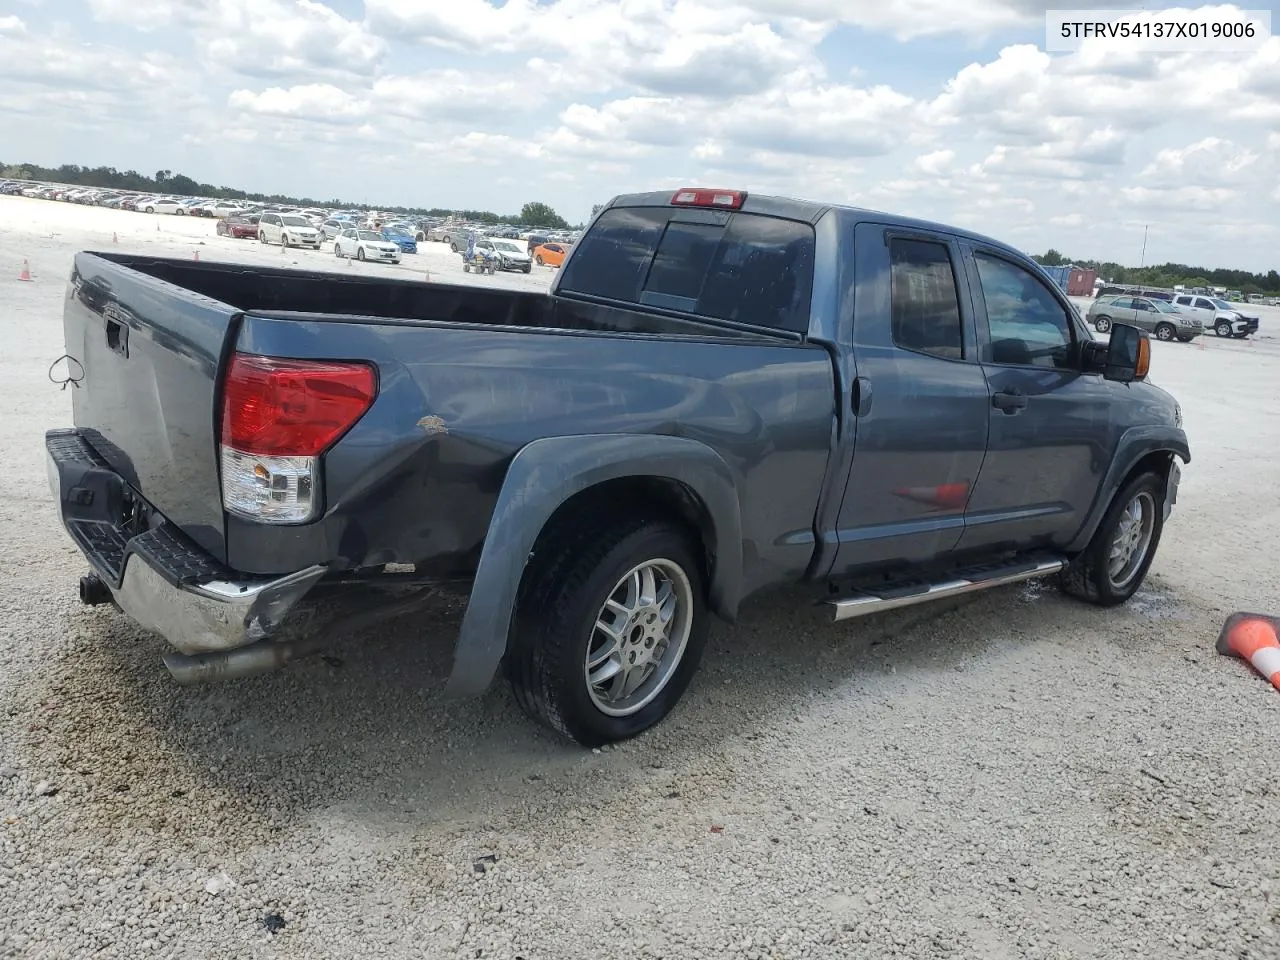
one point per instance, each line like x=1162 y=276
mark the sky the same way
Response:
x=950 y=111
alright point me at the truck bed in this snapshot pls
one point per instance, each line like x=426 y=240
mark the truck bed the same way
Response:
x=467 y=377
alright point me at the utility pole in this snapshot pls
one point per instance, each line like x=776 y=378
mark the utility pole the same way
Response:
x=1143 y=260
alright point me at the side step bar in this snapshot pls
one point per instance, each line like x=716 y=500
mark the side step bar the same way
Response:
x=861 y=604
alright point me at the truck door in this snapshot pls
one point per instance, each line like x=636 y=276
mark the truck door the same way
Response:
x=1052 y=431
x=920 y=401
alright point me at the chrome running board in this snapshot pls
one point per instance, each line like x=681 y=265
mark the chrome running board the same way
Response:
x=861 y=604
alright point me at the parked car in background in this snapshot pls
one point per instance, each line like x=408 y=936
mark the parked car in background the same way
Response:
x=406 y=241
x=288 y=230
x=365 y=245
x=1218 y=315
x=511 y=254
x=1160 y=319
x=238 y=227
x=550 y=254
x=164 y=205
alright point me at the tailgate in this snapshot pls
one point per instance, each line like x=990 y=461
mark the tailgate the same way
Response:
x=151 y=352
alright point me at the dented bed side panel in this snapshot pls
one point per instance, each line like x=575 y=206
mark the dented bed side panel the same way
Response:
x=417 y=479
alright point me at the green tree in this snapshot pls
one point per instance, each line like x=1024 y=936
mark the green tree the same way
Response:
x=1051 y=258
x=541 y=215
x=15 y=172
x=596 y=208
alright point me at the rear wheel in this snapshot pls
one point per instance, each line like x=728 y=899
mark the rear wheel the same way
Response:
x=609 y=629
x=538 y=258
x=337 y=250
x=1185 y=339
x=1165 y=332
x=1113 y=566
x=1102 y=324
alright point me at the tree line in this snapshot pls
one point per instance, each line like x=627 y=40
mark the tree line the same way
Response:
x=534 y=214
x=1171 y=274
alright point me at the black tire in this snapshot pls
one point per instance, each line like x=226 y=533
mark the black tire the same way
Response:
x=561 y=598
x=360 y=254
x=180 y=212
x=528 y=267
x=1165 y=332
x=1088 y=577
x=1185 y=339
x=337 y=250
x=262 y=236
x=1102 y=324
x=1222 y=328
x=539 y=259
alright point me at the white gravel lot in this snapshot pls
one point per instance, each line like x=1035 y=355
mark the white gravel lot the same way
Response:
x=1015 y=776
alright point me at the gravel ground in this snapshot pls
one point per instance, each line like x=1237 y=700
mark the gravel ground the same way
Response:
x=1019 y=775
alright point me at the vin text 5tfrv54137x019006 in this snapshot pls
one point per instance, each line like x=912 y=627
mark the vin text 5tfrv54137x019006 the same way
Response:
x=719 y=393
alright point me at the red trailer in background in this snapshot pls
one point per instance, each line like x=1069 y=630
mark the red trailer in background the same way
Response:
x=1080 y=282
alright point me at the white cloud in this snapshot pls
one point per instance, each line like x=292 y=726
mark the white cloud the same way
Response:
x=263 y=38
x=480 y=103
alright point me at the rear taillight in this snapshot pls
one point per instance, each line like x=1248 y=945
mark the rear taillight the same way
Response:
x=706 y=197
x=278 y=417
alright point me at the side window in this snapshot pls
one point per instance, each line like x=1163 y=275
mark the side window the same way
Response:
x=1204 y=304
x=1183 y=301
x=925 y=307
x=1028 y=326
x=1122 y=303
x=1143 y=305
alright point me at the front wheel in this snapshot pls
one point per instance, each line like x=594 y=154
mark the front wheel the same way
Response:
x=360 y=253
x=1113 y=566
x=1165 y=332
x=1222 y=328
x=337 y=250
x=609 y=629
x=262 y=236
x=539 y=260
x=180 y=212
x=1102 y=324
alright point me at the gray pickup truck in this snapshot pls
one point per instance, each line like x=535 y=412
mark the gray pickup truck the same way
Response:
x=719 y=393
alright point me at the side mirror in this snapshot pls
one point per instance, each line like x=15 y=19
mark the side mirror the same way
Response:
x=1128 y=355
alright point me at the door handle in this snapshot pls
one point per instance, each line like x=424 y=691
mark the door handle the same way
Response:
x=861 y=399
x=1009 y=401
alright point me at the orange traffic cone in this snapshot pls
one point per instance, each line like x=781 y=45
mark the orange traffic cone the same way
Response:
x=26 y=271
x=1252 y=637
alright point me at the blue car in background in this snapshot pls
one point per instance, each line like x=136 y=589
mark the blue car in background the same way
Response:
x=406 y=241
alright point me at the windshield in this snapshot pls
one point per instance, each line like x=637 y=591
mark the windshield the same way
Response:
x=1221 y=304
x=507 y=246
x=295 y=222
x=369 y=235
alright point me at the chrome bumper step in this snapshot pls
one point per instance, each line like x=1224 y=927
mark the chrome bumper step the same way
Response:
x=964 y=581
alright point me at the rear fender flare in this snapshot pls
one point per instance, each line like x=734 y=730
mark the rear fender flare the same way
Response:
x=1135 y=443
x=542 y=476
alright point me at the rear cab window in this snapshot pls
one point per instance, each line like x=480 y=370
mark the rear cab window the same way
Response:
x=740 y=267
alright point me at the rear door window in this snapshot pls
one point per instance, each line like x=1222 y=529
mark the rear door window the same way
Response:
x=740 y=267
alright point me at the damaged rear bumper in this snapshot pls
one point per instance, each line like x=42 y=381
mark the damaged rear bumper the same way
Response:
x=156 y=574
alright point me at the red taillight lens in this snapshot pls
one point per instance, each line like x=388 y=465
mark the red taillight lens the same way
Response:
x=297 y=408
x=707 y=197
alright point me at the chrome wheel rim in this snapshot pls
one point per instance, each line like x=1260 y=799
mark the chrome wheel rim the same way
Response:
x=1164 y=333
x=639 y=637
x=1132 y=541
